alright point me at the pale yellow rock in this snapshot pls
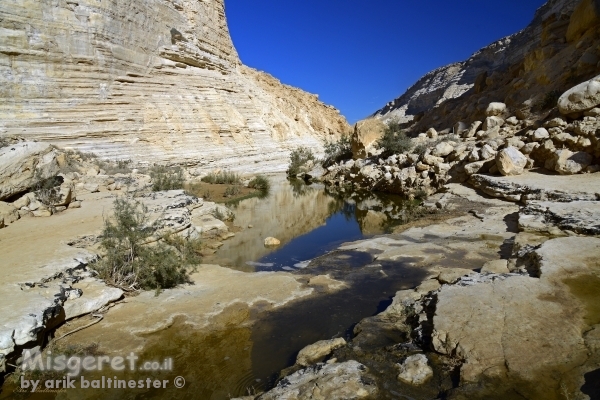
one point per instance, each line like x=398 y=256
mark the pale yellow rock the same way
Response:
x=271 y=241
x=156 y=81
x=496 y=267
x=317 y=351
x=366 y=133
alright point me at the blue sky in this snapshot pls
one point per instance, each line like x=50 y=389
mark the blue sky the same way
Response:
x=360 y=54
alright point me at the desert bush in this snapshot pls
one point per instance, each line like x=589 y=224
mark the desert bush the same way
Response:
x=421 y=194
x=298 y=158
x=222 y=177
x=115 y=167
x=549 y=101
x=337 y=150
x=47 y=190
x=260 y=183
x=232 y=191
x=4 y=142
x=165 y=178
x=394 y=140
x=131 y=265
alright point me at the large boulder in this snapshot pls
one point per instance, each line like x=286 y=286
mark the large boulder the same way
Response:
x=345 y=381
x=582 y=97
x=22 y=163
x=510 y=161
x=442 y=149
x=568 y=163
x=366 y=133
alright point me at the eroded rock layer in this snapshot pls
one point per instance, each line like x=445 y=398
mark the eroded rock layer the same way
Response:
x=156 y=81
x=558 y=49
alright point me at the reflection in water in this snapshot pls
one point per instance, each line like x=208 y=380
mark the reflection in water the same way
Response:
x=309 y=221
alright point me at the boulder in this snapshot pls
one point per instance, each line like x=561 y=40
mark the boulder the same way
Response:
x=340 y=381
x=75 y=204
x=473 y=129
x=366 y=133
x=442 y=149
x=21 y=163
x=415 y=370
x=432 y=160
x=432 y=133
x=540 y=134
x=510 y=161
x=496 y=110
x=316 y=352
x=582 y=97
x=65 y=195
x=8 y=213
x=23 y=201
x=492 y=122
x=479 y=167
x=568 y=163
x=487 y=152
x=271 y=241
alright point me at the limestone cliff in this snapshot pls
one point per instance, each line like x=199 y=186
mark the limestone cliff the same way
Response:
x=155 y=80
x=557 y=50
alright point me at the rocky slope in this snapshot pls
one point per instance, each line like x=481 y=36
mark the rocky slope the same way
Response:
x=559 y=48
x=156 y=81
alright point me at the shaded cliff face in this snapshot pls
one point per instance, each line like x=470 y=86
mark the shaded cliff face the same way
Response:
x=557 y=50
x=155 y=80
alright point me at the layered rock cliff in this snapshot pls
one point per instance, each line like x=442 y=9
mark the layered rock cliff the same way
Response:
x=525 y=70
x=156 y=81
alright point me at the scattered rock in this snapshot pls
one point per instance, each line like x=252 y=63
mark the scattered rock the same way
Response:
x=510 y=161
x=432 y=133
x=540 y=134
x=316 y=352
x=568 y=163
x=271 y=241
x=442 y=149
x=415 y=370
x=75 y=204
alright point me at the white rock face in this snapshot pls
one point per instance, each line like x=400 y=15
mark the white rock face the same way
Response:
x=155 y=80
x=582 y=97
x=415 y=370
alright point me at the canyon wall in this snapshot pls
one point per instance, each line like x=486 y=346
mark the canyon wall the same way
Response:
x=153 y=81
x=557 y=50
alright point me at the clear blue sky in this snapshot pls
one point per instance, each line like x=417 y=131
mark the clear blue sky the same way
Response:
x=360 y=54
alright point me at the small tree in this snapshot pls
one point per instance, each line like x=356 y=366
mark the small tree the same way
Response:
x=298 y=158
x=394 y=140
x=130 y=264
x=337 y=150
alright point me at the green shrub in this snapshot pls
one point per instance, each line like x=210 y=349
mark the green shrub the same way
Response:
x=336 y=151
x=131 y=265
x=165 y=178
x=394 y=140
x=298 y=158
x=222 y=177
x=231 y=191
x=260 y=183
